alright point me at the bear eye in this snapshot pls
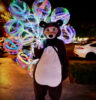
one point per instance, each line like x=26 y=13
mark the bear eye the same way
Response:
x=54 y=29
x=47 y=30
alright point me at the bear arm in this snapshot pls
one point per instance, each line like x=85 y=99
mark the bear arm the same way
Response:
x=38 y=52
x=64 y=60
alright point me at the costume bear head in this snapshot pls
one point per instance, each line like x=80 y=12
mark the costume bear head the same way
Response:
x=51 y=30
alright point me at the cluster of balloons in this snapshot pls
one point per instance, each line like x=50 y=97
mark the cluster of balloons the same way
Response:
x=24 y=28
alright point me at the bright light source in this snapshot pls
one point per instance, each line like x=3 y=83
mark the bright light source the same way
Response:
x=2 y=8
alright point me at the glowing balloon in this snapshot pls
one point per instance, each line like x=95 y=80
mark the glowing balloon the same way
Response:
x=30 y=20
x=67 y=34
x=23 y=59
x=30 y=23
x=19 y=9
x=12 y=46
x=60 y=13
x=14 y=27
x=28 y=50
x=42 y=9
x=26 y=37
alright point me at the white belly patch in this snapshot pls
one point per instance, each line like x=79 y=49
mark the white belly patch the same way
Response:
x=48 y=71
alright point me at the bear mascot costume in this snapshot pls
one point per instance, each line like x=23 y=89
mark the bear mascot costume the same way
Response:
x=52 y=67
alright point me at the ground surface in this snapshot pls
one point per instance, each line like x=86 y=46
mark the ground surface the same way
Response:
x=16 y=84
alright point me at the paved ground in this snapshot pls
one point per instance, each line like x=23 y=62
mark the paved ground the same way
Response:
x=16 y=84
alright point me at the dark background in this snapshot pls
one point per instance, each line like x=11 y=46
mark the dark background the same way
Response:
x=83 y=13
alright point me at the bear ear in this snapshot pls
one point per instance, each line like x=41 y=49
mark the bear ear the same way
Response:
x=42 y=24
x=59 y=23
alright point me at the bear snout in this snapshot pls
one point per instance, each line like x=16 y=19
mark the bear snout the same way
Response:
x=51 y=36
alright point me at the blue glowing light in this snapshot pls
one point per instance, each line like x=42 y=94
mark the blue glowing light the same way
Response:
x=60 y=13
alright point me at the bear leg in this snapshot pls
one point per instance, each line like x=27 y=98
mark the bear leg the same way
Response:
x=55 y=92
x=40 y=91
